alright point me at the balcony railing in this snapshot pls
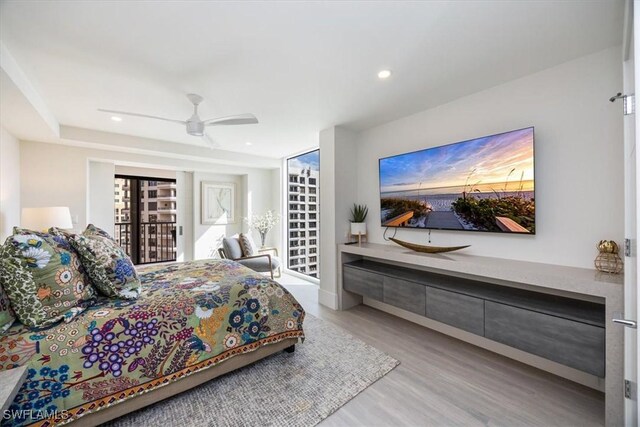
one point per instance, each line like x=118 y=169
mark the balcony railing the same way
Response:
x=123 y=236
x=156 y=241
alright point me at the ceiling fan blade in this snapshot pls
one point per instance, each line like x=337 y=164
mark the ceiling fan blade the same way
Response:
x=212 y=144
x=126 y=113
x=239 y=119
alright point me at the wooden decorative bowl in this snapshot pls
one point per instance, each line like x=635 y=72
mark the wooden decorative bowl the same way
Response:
x=427 y=249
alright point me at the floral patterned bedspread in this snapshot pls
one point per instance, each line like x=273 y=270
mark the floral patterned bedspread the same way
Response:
x=190 y=316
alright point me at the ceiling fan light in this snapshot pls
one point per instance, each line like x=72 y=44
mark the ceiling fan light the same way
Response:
x=195 y=128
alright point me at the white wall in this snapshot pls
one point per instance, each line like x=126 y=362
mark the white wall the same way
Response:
x=58 y=175
x=578 y=158
x=101 y=211
x=53 y=175
x=10 y=206
x=338 y=191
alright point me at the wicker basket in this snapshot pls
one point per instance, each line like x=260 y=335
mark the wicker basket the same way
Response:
x=608 y=260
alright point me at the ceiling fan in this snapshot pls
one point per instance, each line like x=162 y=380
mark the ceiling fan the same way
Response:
x=194 y=125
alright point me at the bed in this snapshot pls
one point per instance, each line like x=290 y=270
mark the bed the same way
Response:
x=193 y=322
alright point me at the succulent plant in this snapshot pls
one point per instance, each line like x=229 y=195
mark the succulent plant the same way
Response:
x=359 y=213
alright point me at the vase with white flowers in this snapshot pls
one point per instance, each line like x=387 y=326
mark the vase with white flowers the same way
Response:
x=263 y=223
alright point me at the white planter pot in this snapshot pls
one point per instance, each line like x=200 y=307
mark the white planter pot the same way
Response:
x=358 y=228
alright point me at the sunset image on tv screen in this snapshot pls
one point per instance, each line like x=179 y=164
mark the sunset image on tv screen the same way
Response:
x=484 y=184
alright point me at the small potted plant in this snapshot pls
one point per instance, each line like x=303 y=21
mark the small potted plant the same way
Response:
x=358 y=217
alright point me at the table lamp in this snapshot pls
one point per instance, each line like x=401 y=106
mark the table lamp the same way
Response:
x=41 y=219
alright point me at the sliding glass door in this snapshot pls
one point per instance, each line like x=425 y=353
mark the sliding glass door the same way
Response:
x=145 y=218
x=303 y=213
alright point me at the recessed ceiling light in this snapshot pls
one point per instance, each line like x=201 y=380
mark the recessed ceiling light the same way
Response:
x=384 y=74
x=116 y=118
x=248 y=143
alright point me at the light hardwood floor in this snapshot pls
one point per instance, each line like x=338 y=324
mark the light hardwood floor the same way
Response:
x=442 y=381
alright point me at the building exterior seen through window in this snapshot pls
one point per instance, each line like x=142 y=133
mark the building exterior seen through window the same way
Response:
x=303 y=213
x=145 y=218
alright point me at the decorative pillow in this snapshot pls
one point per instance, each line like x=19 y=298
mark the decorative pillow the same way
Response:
x=43 y=278
x=232 y=248
x=108 y=265
x=249 y=247
x=7 y=316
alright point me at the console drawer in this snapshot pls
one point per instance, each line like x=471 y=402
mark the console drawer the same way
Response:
x=403 y=294
x=568 y=342
x=362 y=282
x=461 y=311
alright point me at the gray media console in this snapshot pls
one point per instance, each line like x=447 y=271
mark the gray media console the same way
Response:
x=564 y=330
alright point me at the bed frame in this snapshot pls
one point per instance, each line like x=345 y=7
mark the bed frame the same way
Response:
x=170 y=390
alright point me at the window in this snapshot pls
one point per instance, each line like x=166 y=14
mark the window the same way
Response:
x=303 y=172
x=146 y=234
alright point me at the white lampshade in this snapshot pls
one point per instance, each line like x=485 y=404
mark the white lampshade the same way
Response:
x=42 y=218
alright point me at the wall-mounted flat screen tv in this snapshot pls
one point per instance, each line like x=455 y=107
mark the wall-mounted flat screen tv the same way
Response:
x=484 y=184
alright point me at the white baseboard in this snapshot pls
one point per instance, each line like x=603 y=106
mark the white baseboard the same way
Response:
x=328 y=299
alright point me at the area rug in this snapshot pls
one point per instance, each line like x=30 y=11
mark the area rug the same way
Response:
x=298 y=389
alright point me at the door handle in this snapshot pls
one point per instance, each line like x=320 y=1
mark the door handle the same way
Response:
x=626 y=322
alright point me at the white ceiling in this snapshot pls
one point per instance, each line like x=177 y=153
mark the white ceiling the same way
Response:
x=299 y=67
